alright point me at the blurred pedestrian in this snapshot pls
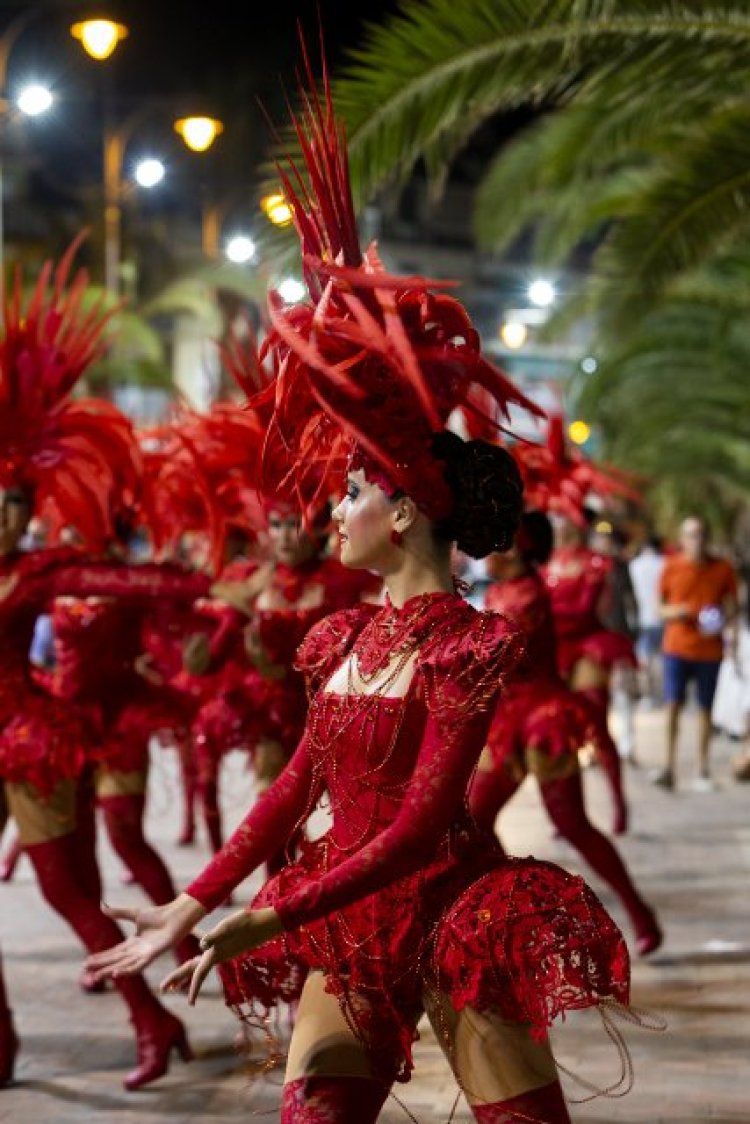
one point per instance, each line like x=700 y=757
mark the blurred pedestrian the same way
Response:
x=621 y=615
x=645 y=575
x=698 y=603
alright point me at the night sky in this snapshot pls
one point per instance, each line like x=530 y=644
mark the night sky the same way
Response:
x=217 y=57
x=182 y=56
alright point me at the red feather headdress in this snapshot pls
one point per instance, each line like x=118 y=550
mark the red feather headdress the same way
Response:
x=79 y=456
x=369 y=370
x=558 y=478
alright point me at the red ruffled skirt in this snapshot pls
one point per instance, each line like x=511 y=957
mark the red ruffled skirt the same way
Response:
x=539 y=722
x=244 y=711
x=43 y=741
x=129 y=719
x=604 y=647
x=518 y=937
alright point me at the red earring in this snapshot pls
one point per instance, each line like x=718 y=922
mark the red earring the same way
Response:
x=397 y=538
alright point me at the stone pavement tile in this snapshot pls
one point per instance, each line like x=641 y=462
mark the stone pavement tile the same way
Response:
x=690 y=855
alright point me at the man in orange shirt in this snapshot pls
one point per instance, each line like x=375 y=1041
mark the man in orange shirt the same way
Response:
x=698 y=602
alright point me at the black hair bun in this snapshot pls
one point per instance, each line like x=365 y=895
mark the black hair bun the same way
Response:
x=535 y=537
x=488 y=492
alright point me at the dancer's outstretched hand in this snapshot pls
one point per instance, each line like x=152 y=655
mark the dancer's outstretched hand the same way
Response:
x=241 y=932
x=157 y=928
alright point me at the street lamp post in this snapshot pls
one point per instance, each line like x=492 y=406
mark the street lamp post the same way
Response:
x=198 y=134
x=30 y=107
x=114 y=151
x=99 y=39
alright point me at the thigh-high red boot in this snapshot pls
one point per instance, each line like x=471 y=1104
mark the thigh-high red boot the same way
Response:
x=563 y=800
x=189 y=776
x=123 y=816
x=606 y=752
x=158 y=1032
x=538 y=1106
x=9 y=860
x=209 y=794
x=490 y=791
x=8 y=1037
x=333 y=1100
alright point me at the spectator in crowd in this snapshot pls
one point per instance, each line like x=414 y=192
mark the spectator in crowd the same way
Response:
x=698 y=603
x=645 y=575
x=619 y=612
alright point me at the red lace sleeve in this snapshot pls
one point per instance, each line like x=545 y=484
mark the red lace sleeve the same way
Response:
x=328 y=642
x=224 y=624
x=93 y=579
x=461 y=677
x=272 y=819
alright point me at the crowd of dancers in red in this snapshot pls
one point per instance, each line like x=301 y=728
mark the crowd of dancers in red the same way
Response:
x=324 y=637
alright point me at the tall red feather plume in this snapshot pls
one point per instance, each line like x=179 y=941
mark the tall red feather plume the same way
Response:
x=559 y=478
x=374 y=362
x=78 y=454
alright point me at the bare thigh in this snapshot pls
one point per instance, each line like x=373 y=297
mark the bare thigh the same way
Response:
x=323 y=1043
x=587 y=674
x=38 y=818
x=493 y=1060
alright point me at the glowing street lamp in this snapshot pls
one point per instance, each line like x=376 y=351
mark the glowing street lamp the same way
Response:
x=149 y=172
x=276 y=209
x=542 y=293
x=35 y=99
x=199 y=133
x=291 y=290
x=240 y=249
x=514 y=334
x=579 y=432
x=99 y=37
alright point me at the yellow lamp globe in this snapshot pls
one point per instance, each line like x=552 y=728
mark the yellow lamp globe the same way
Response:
x=199 y=133
x=514 y=334
x=276 y=209
x=579 y=432
x=99 y=37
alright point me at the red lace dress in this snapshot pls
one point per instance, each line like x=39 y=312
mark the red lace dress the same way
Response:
x=539 y=724
x=263 y=696
x=169 y=625
x=44 y=739
x=577 y=580
x=405 y=892
x=97 y=645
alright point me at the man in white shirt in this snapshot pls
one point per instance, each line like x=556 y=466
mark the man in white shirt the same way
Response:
x=645 y=575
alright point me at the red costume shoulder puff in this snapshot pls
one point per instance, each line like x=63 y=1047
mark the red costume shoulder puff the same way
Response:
x=328 y=642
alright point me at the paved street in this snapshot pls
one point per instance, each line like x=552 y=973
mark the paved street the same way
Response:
x=691 y=855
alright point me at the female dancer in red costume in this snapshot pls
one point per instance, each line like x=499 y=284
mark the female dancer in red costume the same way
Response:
x=540 y=725
x=405 y=902
x=559 y=480
x=80 y=453
x=98 y=643
x=577 y=580
x=261 y=703
x=178 y=500
x=252 y=697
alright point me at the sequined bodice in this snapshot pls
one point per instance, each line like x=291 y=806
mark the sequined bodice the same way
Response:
x=526 y=603
x=281 y=631
x=364 y=749
x=395 y=770
x=576 y=580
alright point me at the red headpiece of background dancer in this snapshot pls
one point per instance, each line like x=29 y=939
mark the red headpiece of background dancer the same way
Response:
x=369 y=370
x=78 y=455
x=558 y=478
x=202 y=471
